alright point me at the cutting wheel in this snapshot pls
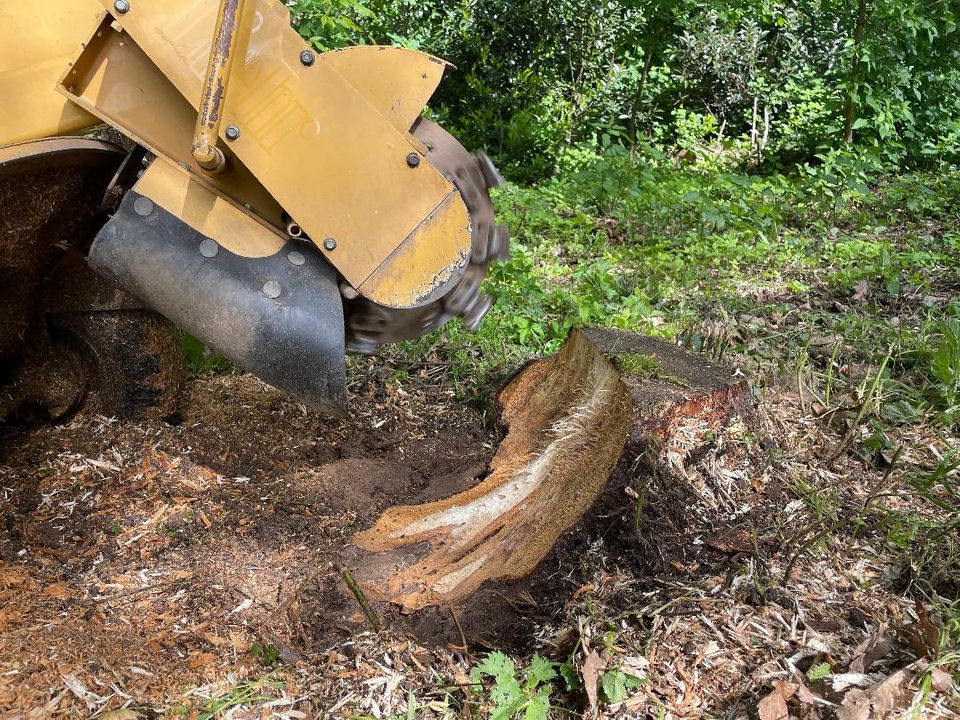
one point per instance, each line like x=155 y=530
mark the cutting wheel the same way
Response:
x=370 y=325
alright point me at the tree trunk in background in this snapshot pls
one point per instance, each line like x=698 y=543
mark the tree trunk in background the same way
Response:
x=644 y=74
x=850 y=108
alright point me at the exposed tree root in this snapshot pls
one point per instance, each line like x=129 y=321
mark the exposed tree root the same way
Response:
x=568 y=418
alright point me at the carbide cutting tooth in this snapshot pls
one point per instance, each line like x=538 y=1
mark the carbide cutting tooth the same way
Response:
x=475 y=314
x=491 y=175
x=499 y=247
x=369 y=321
x=480 y=247
x=361 y=345
x=461 y=298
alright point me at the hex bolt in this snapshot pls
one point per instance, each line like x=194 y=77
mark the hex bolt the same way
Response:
x=330 y=244
x=209 y=248
x=296 y=258
x=143 y=206
x=122 y=6
x=307 y=58
x=413 y=160
x=232 y=132
x=272 y=289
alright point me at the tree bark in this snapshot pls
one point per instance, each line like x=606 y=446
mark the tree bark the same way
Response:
x=608 y=399
x=644 y=74
x=853 y=89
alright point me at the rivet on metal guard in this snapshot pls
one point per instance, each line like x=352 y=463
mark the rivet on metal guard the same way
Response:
x=330 y=244
x=122 y=6
x=272 y=289
x=143 y=206
x=296 y=259
x=209 y=248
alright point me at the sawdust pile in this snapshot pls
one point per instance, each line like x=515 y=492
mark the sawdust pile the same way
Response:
x=148 y=566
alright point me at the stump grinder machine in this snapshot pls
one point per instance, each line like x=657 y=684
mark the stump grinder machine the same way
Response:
x=192 y=163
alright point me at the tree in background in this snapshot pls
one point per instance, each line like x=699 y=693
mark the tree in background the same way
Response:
x=764 y=83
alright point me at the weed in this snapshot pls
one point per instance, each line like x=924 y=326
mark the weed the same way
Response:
x=514 y=693
x=240 y=695
x=267 y=655
x=637 y=365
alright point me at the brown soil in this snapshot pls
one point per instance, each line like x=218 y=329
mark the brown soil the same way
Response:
x=153 y=555
x=143 y=563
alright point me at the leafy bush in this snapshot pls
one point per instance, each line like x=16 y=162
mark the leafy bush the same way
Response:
x=762 y=83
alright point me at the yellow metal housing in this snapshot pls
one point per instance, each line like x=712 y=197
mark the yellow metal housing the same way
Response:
x=207 y=212
x=396 y=81
x=327 y=141
x=36 y=44
x=329 y=157
x=114 y=80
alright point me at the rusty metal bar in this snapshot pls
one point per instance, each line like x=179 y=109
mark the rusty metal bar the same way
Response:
x=210 y=114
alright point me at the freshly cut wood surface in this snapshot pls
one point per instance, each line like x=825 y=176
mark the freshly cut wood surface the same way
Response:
x=571 y=418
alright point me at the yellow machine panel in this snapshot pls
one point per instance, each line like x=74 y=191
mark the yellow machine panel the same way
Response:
x=358 y=186
x=179 y=193
x=114 y=80
x=36 y=44
x=396 y=81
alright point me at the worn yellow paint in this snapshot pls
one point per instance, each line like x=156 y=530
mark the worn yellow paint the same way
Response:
x=216 y=81
x=115 y=80
x=328 y=143
x=210 y=214
x=36 y=43
x=396 y=81
x=327 y=155
x=445 y=233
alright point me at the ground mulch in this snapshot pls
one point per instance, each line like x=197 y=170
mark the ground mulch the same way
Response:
x=158 y=566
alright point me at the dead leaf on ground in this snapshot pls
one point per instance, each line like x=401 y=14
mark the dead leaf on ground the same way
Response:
x=737 y=540
x=198 y=661
x=879 y=699
x=855 y=706
x=774 y=705
x=871 y=650
x=862 y=291
x=807 y=696
x=590 y=671
x=58 y=590
x=940 y=681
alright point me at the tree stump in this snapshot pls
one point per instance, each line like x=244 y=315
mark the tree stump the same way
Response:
x=608 y=400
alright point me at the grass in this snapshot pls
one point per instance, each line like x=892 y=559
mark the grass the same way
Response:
x=847 y=296
x=243 y=694
x=757 y=270
x=851 y=296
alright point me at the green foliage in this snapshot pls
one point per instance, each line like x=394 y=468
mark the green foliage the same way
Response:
x=945 y=367
x=517 y=694
x=755 y=82
x=200 y=358
x=267 y=655
x=616 y=685
x=243 y=694
x=329 y=24
x=819 y=671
